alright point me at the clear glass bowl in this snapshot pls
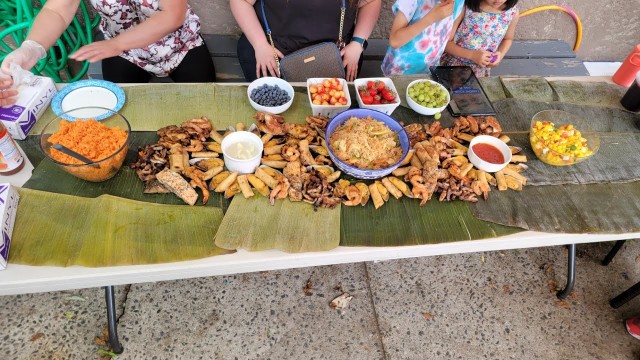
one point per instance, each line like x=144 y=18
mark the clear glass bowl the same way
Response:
x=100 y=169
x=562 y=148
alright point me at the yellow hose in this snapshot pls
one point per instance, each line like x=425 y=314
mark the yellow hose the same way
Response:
x=575 y=17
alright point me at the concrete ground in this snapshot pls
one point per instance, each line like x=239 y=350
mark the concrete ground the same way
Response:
x=492 y=305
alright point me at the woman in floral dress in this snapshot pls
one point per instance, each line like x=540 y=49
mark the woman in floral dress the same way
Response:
x=141 y=38
x=484 y=34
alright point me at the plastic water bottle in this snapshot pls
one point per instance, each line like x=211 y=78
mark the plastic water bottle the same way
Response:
x=11 y=160
x=629 y=68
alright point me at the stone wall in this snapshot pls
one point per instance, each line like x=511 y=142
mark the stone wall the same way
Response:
x=610 y=28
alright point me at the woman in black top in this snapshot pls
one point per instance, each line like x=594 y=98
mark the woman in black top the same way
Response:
x=296 y=24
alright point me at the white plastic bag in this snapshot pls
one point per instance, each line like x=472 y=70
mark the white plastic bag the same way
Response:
x=20 y=76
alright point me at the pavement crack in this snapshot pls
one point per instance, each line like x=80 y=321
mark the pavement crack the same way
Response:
x=126 y=289
x=375 y=313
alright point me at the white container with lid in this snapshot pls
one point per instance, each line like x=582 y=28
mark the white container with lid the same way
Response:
x=8 y=206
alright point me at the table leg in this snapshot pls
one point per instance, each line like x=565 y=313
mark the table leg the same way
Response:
x=571 y=273
x=607 y=259
x=109 y=295
x=626 y=296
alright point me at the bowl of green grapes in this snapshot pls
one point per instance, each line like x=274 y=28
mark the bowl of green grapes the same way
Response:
x=427 y=97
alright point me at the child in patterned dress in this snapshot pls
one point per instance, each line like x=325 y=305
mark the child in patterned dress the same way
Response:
x=484 y=33
x=419 y=34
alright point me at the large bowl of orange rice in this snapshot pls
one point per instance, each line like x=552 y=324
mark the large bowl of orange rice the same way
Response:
x=105 y=142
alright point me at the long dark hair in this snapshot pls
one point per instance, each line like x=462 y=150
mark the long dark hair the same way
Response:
x=474 y=5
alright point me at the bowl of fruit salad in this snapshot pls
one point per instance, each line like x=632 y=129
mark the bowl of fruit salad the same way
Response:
x=560 y=138
x=377 y=94
x=328 y=96
x=270 y=94
x=427 y=97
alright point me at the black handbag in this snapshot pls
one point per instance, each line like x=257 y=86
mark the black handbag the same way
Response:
x=320 y=60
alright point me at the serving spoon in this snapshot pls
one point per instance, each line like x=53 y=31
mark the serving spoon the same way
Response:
x=74 y=154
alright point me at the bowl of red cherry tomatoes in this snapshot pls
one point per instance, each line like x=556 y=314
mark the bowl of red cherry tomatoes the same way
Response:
x=377 y=94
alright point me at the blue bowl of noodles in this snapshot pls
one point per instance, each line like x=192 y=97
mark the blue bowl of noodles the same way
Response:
x=365 y=143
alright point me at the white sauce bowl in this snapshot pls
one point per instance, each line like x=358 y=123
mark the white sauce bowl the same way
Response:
x=247 y=166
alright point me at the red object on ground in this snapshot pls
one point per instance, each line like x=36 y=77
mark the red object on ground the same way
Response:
x=633 y=327
x=629 y=68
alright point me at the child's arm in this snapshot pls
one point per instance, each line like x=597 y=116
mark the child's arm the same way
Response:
x=480 y=57
x=506 y=42
x=402 y=32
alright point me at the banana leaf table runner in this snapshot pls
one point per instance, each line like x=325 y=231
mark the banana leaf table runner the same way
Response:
x=252 y=224
x=595 y=208
x=600 y=195
x=403 y=222
x=149 y=107
x=125 y=232
x=61 y=230
x=616 y=161
x=399 y=222
x=47 y=176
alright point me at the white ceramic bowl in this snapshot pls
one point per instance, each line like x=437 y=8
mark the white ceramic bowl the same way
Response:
x=282 y=84
x=423 y=109
x=384 y=108
x=485 y=165
x=243 y=166
x=328 y=110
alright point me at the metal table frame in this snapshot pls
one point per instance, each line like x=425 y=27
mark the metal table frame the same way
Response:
x=20 y=279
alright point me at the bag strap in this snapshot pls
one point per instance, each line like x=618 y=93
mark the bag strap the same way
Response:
x=340 y=43
x=343 y=10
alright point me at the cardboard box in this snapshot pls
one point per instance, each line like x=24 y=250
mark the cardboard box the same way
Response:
x=33 y=99
x=8 y=206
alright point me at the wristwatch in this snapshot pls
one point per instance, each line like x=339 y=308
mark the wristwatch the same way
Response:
x=360 y=41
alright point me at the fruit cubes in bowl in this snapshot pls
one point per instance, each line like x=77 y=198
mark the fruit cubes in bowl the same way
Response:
x=328 y=96
x=560 y=138
x=270 y=94
x=427 y=97
x=377 y=94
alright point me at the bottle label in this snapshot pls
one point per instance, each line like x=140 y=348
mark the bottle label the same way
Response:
x=10 y=157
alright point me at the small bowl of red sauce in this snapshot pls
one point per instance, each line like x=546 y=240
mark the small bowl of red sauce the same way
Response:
x=489 y=153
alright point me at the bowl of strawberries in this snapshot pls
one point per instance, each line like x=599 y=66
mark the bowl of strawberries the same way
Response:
x=377 y=94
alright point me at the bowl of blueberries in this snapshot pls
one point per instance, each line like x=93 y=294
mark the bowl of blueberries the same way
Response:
x=270 y=94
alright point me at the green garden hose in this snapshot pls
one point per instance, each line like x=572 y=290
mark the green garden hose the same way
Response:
x=17 y=18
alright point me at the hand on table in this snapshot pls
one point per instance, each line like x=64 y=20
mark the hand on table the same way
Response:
x=350 y=58
x=98 y=50
x=266 y=62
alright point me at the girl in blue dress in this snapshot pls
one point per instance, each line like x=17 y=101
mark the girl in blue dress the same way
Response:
x=419 y=34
